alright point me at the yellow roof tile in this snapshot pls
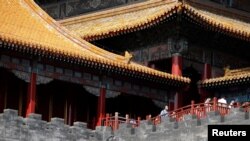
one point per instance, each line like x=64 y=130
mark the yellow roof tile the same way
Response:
x=231 y=76
x=239 y=28
x=25 y=24
x=138 y=16
x=124 y=18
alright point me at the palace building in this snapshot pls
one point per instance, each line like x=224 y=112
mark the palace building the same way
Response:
x=47 y=70
x=207 y=39
x=82 y=59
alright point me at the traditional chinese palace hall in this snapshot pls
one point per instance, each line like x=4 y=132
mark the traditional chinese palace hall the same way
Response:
x=79 y=60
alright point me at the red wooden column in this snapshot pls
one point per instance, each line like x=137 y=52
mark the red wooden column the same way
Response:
x=207 y=73
x=101 y=105
x=177 y=64
x=31 y=94
x=177 y=70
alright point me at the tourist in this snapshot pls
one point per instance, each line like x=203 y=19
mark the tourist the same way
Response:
x=231 y=105
x=222 y=102
x=164 y=112
x=207 y=101
x=207 y=104
x=245 y=104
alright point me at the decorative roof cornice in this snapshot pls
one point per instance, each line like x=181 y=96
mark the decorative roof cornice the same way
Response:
x=231 y=78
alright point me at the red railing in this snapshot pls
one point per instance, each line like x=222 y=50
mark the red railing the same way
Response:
x=199 y=110
x=115 y=121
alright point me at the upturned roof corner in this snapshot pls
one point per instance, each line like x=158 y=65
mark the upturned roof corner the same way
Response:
x=131 y=18
x=32 y=30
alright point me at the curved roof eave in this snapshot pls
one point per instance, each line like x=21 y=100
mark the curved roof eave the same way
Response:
x=116 y=21
x=143 y=15
x=26 y=26
x=231 y=77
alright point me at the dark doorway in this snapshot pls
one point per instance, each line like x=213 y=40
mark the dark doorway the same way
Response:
x=134 y=106
x=13 y=92
x=192 y=92
x=54 y=97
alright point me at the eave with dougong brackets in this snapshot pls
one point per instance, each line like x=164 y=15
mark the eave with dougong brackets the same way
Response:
x=31 y=32
x=123 y=20
x=235 y=77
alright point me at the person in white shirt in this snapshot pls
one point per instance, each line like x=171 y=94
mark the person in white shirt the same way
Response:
x=231 y=105
x=222 y=102
x=207 y=104
x=164 y=112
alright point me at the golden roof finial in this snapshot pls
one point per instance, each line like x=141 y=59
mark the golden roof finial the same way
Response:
x=128 y=56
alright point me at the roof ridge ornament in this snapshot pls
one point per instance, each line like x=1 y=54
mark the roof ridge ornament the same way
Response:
x=128 y=56
x=180 y=8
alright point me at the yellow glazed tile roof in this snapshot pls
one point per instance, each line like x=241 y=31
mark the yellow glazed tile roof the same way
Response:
x=142 y=15
x=231 y=77
x=23 y=23
x=125 y=19
x=232 y=27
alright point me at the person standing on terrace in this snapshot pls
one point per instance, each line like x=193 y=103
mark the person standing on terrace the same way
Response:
x=207 y=104
x=222 y=102
x=231 y=104
x=164 y=112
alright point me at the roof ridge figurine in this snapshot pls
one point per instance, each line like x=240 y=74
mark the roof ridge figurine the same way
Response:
x=128 y=56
